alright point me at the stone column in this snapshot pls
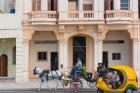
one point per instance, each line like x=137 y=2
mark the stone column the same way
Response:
x=134 y=8
x=63 y=9
x=117 y=4
x=98 y=46
x=80 y=6
x=136 y=56
x=26 y=60
x=27 y=35
x=44 y=4
x=27 y=6
x=19 y=58
x=100 y=4
x=63 y=56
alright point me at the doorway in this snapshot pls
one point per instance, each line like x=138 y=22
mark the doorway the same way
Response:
x=79 y=49
x=54 y=61
x=3 y=65
x=105 y=59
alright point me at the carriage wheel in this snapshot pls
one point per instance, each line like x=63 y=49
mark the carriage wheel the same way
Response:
x=99 y=91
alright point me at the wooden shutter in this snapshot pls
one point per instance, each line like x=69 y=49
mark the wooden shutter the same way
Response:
x=87 y=7
x=38 y=5
x=49 y=5
x=55 y=5
x=107 y=5
x=33 y=5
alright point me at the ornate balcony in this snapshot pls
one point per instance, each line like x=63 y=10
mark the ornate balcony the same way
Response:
x=42 y=17
x=85 y=15
x=119 y=15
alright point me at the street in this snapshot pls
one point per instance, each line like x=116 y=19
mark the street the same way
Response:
x=51 y=91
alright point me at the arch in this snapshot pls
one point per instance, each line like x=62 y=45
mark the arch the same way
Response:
x=118 y=43
x=80 y=34
x=3 y=65
x=84 y=51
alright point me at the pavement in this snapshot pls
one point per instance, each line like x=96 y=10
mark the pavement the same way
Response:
x=32 y=87
x=34 y=84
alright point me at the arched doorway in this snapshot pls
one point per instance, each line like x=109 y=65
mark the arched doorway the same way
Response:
x=79 y=49
x=3 y=65
x=43 y=51
x=117 y=48
x=81 y=46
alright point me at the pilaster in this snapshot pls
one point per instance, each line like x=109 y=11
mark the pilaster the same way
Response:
x=44 y=4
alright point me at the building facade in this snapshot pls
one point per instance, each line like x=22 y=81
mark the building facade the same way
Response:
x=52 y=34
x=11 y=41
x=57 y=32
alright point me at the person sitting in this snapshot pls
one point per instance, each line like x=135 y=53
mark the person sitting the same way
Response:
x=76 y=68
x=113 y=80
x=101 y=70
x=92 y=76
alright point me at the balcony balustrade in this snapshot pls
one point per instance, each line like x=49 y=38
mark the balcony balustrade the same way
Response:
x=119 y=15
x=84 y=15
x=42 y=16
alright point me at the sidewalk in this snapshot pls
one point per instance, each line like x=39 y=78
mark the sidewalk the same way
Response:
x=33 y=84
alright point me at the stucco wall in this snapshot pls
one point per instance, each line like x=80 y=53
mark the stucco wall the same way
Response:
x=124 y=49
x=35 y=48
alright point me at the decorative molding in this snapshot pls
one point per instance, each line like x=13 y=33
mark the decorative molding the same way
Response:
x=134 y=32
x=102 y=28
x=81 y=28
x=61 y=28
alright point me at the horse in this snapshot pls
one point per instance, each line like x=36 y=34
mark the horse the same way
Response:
x=46 y=75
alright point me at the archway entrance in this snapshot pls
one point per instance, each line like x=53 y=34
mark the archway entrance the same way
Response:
x=79 y=49
x=3 y=65
x=81 y=46
x=117 y=48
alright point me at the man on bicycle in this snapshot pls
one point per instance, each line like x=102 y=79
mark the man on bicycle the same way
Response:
x=76 y=68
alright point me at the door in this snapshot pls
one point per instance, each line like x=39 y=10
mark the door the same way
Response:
x=79 y=49
x=3 y=65
x=54 y=61
x=105 y=59
x=52 y=5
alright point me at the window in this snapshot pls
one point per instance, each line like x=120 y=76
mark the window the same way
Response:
x=109 y=5
x=125 y=4
x=36 y=5
x=42 y=56
x=116 y=56
x=79 y=41
x=52 y=5
x=14 y=55
x=8 y=6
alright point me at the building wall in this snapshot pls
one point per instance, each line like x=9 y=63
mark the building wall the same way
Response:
x=124 y=49
x=35 y=48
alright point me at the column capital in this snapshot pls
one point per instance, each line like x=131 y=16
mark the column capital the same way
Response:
x=61 y=28
x=27 y=34
x=134 y=33
x=81 y=28
x=102 y=28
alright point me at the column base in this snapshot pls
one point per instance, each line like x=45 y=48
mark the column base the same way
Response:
x=138 y=76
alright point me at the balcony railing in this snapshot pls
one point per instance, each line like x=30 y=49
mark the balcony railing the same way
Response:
x=84 y=15
x=42 y=16
x=119 y=15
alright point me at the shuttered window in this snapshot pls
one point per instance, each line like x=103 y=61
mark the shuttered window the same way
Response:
x=109 y=4
x=87 y=7
x=125 y=4
x=36 y=5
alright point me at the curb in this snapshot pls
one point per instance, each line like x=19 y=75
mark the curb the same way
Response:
x=51 y=89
